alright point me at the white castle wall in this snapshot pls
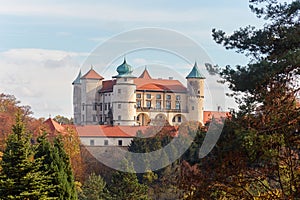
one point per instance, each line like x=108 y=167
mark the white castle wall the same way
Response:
x=124 y=101
x=100 y=141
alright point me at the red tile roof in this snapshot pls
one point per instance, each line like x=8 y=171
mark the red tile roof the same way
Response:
x=107 y=86
x=92 y=74
x=54 y=127
x=159 y=85
x=145 y=82
x=207 y=115
x=108 y=131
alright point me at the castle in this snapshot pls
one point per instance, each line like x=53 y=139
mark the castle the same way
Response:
x=126 y=100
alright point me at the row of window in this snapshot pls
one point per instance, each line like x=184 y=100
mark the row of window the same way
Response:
x=101 y=105
x=158 y=96
x=92 y=142
x=158 y=104
x=138 y=105
x=94 y=118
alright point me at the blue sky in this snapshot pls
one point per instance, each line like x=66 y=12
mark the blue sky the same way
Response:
x=44 y=43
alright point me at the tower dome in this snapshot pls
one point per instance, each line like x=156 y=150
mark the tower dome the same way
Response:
x=124 y=70
x=195 y=73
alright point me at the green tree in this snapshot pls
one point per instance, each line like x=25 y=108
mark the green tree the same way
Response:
x=94 y=188
x=56 y=164
x=67 y=189
x=21 y=177
x=63 y=120
x=125 y=185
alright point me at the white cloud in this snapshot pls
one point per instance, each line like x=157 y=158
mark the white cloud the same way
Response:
x=40 y=78
x=36 y=55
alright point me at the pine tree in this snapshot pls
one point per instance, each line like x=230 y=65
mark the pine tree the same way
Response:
x=68 y=185
x=94 y=188
x=56 y=164
x=20 y=176
x=267 y=163
x=125 y=185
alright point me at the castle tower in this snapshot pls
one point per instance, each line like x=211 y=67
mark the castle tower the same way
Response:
x=124 y=99
x=195 y=85
x=90 y=84
x=77 y=99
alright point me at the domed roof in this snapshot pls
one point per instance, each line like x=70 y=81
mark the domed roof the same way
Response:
x=124 y=70
x=195 y=73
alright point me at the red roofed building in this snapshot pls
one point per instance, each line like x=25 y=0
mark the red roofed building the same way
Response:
x=54 y=128
x=106 y=135
x=217 y=115
x=126 y=100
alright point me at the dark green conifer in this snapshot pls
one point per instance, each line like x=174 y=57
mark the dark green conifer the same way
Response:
x=21 y=177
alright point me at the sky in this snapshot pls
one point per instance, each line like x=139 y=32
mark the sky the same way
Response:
x=44 y=44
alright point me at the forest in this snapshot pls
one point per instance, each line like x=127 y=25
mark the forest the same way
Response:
x=256 y=156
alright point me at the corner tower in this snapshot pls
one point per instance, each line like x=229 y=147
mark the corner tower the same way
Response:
x=195 y=86
x=90 y=84
x=124 y=100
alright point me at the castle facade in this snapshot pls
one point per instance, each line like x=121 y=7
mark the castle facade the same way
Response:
x=127 y=100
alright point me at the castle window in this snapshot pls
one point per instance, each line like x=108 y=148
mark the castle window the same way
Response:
x=119 y=106
x=138 y=95
x=94 y=118
x=100 y=106
x=138 y=104
x=95 y=106
x=148 y=104
x=177 y=97
x=158 y=96
x=120 y=142
x=177 y=105
x=119 y=117
x=168 y=105
x=119 y=91
x=138 y=118
x=193 y=108
x=198 y=91
x=168 y=97
x=82 y=106
x=105 y=142
x=92 y=142
x=179 y=119
x=158 y=104
x=108 y=105
x=148 y=96
x=100 y=118
x=105 y=106
x=125 y=79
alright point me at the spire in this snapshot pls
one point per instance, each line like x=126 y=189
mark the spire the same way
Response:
x=145 y=74
x=195 y=73
x=77 y=80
